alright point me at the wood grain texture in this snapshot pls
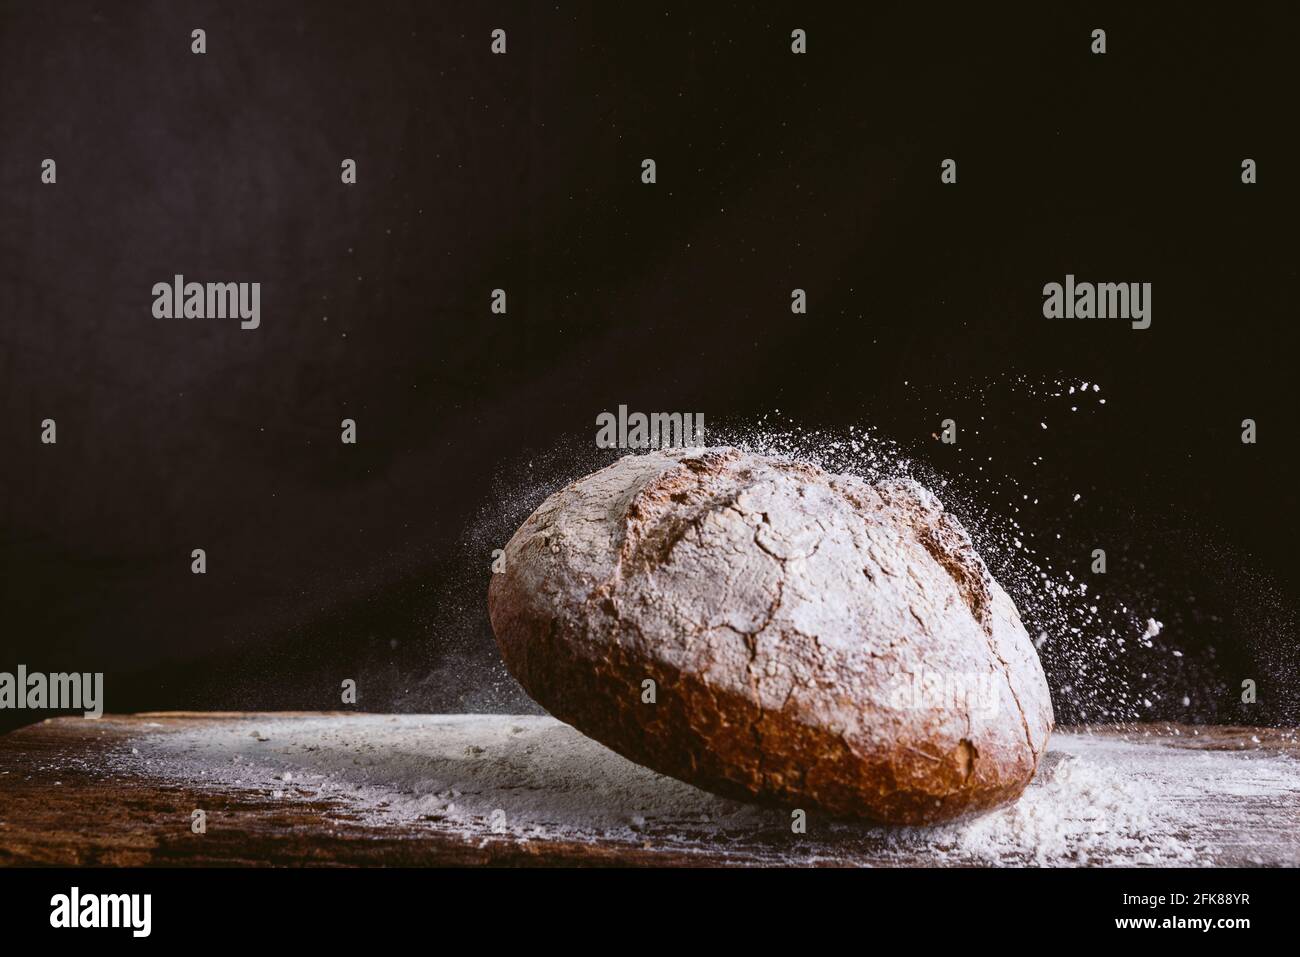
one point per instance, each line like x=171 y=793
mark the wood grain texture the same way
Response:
x=73 y=792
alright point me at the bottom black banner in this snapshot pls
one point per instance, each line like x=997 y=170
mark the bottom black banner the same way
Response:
x=269 y=906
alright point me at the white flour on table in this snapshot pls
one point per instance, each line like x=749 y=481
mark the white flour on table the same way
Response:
x=1096 y=800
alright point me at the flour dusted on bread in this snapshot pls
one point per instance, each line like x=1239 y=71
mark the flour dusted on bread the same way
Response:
x=772 y=632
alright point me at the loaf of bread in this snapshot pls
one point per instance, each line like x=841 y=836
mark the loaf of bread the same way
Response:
x=771 y=632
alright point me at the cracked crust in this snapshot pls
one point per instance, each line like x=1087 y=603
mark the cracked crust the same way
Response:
x=775 y=606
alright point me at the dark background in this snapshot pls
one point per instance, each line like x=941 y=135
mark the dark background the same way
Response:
x=522 y=171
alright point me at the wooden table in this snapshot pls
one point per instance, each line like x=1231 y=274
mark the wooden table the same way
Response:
x=81 y=792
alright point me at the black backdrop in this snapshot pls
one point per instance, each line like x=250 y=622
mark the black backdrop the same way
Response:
x=522 y=171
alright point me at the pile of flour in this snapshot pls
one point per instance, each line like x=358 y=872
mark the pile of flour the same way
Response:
x=1095 y=800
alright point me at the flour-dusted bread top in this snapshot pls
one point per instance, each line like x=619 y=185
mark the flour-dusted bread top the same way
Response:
x=814 y=640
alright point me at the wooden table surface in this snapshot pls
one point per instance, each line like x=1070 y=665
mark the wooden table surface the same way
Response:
x=82 y=792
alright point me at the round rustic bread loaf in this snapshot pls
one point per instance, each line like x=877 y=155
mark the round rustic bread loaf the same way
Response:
x=815 y=640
